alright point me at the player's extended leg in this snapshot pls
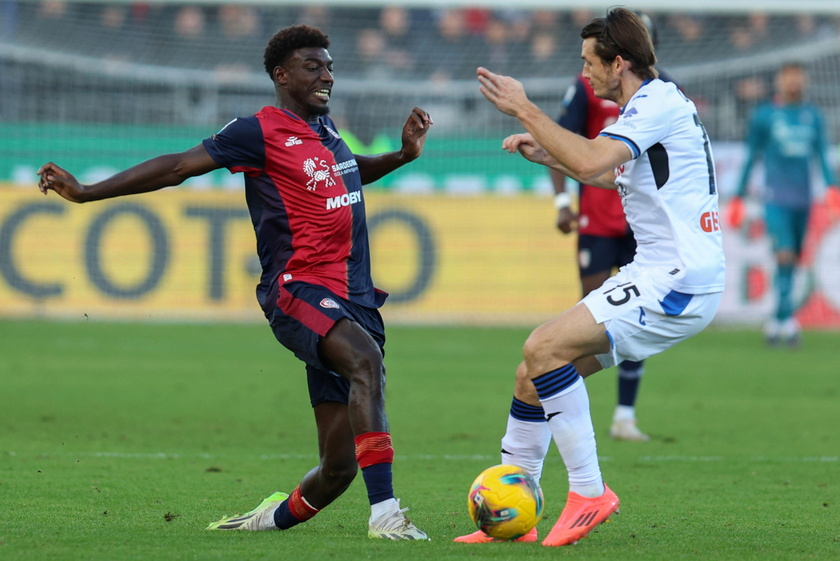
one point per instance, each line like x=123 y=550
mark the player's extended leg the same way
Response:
x=324 y=483
x=336 y=470
x=525 y=443
x=552 y=357
x=352 y=352
x=527 y=436
x=787 y=228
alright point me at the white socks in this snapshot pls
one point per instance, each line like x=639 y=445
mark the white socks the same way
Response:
x=383 y=507
x=571 y=426
x=624 y=413
x=526 y=444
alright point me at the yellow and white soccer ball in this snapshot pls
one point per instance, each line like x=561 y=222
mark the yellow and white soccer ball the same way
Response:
x=505 y=502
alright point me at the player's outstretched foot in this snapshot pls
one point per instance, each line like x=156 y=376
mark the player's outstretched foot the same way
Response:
x=394 y=525
x=481 y=537
x=261 y=518
x=580 y=516
x=626 y=429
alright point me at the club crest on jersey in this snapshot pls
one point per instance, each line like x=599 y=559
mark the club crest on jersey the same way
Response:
x=319 y=174
x=329 y=303
x=293 y=141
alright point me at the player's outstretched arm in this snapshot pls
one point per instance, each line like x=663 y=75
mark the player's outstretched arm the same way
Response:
x=151 y=175
x=583 y=159
x=414 y=132
x=526 y=145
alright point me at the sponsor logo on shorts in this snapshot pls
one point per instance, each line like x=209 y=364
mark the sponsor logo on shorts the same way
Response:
x=329 y=303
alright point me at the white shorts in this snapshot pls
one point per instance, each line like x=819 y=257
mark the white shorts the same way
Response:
x=644 y=316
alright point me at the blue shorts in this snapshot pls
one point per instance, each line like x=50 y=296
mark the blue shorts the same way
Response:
x=598 y=254
x=786 y=227
x=305 y=313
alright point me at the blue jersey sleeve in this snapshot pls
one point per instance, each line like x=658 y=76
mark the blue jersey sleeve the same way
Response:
x=575 y=107
x=239 y=146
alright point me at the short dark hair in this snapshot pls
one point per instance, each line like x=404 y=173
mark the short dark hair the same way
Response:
x=623 y=33
x=289 y=39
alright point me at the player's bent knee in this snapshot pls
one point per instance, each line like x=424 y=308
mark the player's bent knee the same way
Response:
x=339 y=472
x=540 y=350
x=368 y=376
x=522 y=373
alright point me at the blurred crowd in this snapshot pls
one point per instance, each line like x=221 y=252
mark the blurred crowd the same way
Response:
x=390 y=43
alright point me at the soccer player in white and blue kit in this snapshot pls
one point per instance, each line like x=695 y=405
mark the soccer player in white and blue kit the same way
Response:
x=658 y=156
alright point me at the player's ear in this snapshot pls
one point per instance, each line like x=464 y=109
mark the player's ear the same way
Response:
x=619 y=64
x=280 y=75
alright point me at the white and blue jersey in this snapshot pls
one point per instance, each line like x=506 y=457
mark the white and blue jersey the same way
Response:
x=668 y=189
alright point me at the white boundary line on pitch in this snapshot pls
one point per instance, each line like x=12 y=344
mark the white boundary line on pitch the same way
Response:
x=430 y=457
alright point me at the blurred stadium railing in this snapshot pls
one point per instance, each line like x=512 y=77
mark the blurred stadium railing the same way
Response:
x=99 y=86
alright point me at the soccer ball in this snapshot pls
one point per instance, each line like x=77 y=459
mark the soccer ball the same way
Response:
x=505 y=502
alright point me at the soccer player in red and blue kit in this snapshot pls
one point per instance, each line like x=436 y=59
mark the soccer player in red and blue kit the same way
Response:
x=303 y=187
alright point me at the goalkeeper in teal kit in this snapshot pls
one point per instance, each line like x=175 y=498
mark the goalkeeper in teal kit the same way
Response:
x=789 y=134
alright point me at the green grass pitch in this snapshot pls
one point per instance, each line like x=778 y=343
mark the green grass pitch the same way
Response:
x=123 y=441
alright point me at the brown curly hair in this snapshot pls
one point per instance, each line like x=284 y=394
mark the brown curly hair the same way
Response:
x=289 y=39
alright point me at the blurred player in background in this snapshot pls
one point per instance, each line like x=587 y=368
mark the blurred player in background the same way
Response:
x=303 y=187
x=605 y=241
x=658 y=156
x=788 y=133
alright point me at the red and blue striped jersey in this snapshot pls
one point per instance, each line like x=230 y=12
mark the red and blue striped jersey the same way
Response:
x=304 y=194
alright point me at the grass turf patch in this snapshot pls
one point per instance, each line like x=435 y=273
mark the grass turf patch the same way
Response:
x=123 y=441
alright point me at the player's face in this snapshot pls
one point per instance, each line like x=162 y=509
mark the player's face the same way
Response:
x=605 y=83
x=308 y=82
x=791 y=83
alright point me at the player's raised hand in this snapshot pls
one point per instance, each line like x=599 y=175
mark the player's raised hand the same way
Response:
x=61 y=181
x=506 y=93
x=525 y=144
x=414 y=133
